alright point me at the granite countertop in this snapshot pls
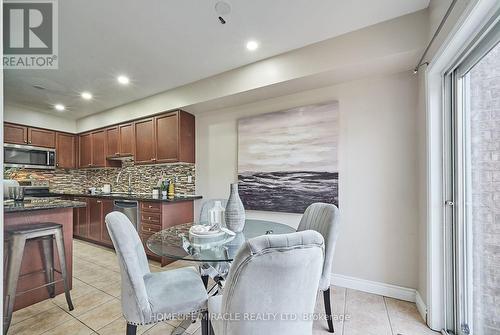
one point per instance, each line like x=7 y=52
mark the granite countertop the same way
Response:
x=10 y=206
x=139 y=197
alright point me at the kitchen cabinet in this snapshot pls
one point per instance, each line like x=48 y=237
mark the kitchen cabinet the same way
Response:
x=15 y=134
x=120 y=140
x=107 y=207
x=98 y=148
x=66 y=151
x=112 y=141
x=166 y=138
x=144 y=141
x=95 y=216
x=41 y=138
x=80 y=218
x=85 y=150
x=92 y=149
x=127 y=139
x=156 y=216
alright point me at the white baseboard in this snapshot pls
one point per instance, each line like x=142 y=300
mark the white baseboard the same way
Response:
x=422 y=308
x=387 y=290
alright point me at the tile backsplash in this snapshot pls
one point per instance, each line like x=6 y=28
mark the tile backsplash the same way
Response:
x=143 y=177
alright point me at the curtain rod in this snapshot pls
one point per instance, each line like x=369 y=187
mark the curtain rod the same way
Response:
x=436 y=33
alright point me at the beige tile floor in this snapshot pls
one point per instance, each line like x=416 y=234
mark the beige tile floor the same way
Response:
x=96 y=296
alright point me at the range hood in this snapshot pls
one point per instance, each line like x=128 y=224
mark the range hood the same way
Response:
x=121 y=157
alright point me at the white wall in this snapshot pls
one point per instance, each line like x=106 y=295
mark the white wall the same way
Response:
x=33 y=118
x=378 y=171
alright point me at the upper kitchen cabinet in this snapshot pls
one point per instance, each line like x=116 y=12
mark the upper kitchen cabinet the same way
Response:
x=112 y=138
x=92 y=149
x=127 y=138
x=16 y=134
x=41 y=138
x=120 y=141
x=98 y=148
x=66 y=151
x=144 y=141
x=85 y=150
x=165 y=138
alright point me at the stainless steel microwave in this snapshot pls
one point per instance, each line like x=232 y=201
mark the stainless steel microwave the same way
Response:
x=27 y=156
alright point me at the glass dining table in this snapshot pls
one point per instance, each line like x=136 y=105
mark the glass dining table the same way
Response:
x=174 y=242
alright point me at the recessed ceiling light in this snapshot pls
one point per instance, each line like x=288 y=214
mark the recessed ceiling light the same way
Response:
x=59 y=107
x=252 y=45
x=124 y=80
x=86 y=95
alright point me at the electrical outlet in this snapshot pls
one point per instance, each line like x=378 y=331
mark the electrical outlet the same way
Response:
x=190 y=179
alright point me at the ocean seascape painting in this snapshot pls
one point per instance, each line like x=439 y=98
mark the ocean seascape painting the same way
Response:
x=287 y=160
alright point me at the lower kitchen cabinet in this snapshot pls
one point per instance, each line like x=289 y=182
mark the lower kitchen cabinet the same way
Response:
x=80 y=219
x=107 y=207
x=89 y=223
x=95 y=217
x=155 y=216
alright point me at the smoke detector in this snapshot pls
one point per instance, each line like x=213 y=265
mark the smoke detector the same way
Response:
x=222 y=9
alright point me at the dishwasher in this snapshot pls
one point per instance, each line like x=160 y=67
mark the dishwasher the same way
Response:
x=130 y=208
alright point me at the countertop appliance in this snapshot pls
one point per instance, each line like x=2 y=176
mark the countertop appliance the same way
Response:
x=6 y=184
x=130 y=208
x=30 y=157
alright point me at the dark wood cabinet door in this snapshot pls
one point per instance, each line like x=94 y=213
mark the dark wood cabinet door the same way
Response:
x=167 y=138
x=127 y=138
x=65 y=151
x=95 y=216
x=112 y=142
x=107 y=207
x=187 y=135
x=15 y=134
x=144 y=141
x=82 y=217
x=85 y=150
x=98 y=148
x=41 y=138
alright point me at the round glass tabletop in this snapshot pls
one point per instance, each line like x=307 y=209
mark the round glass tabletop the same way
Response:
x=174 y=242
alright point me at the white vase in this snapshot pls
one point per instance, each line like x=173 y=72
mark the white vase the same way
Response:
x=235 y=212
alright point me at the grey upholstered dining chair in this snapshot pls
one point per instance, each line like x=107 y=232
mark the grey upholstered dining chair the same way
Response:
x=152 y=297
x=208 y=205
x=271 y=275
x=325 y=219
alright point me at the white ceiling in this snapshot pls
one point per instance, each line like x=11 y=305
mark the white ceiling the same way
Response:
x=162 y=44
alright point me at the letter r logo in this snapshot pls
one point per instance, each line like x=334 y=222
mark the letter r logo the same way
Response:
x=28 y=28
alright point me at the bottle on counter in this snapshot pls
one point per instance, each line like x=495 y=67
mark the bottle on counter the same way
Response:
x=171 y=189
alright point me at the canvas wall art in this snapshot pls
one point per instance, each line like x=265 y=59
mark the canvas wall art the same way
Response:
x=287 y=160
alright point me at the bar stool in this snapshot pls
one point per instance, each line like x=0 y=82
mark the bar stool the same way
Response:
x=17 y=236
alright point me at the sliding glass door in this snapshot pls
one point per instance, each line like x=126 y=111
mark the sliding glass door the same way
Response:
x=473 y=225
